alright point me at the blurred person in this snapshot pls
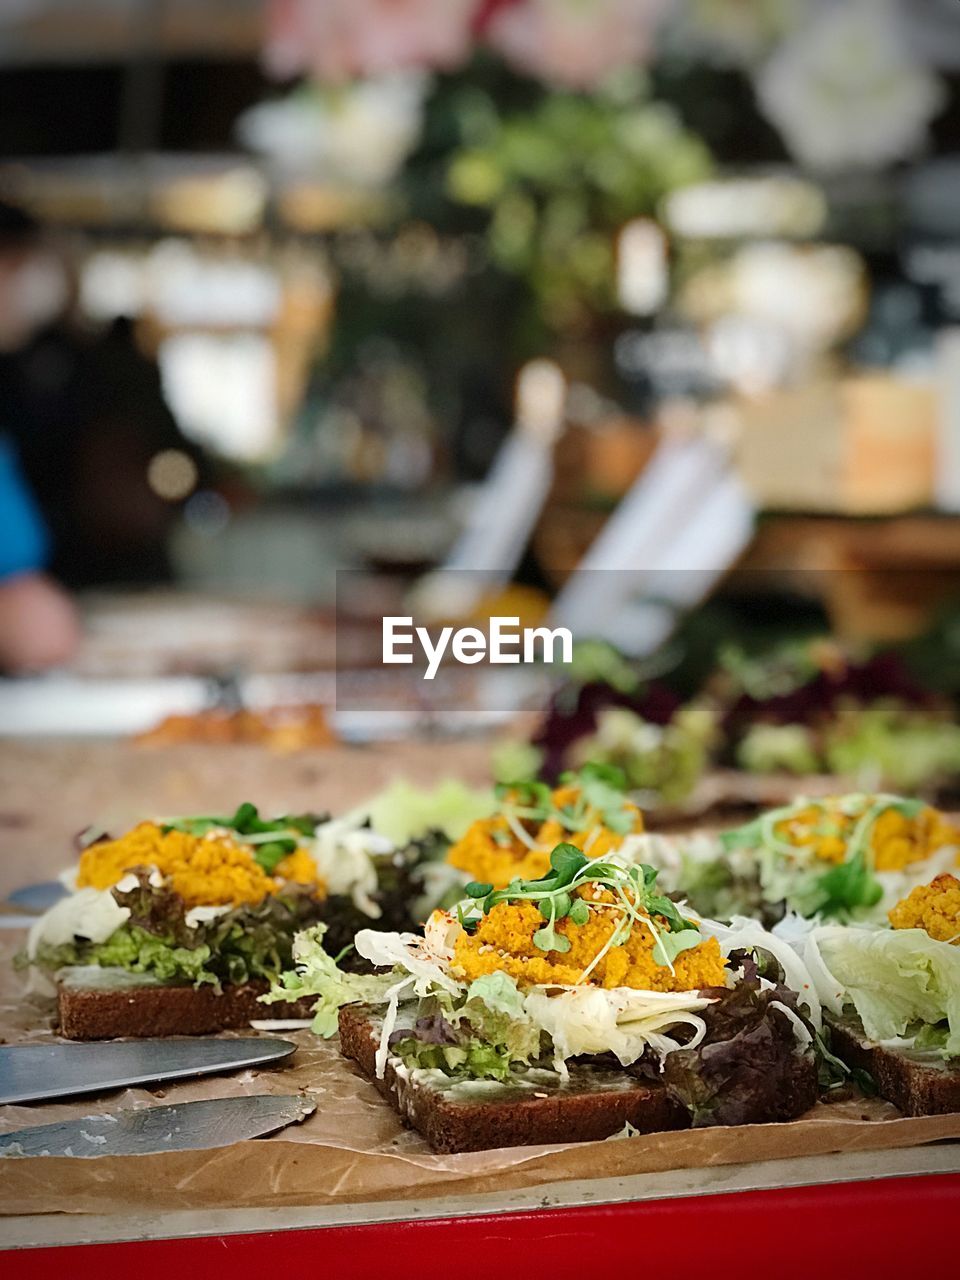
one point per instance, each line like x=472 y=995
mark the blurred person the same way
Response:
x=39 y=627
x=87 y=415
x=38 y=623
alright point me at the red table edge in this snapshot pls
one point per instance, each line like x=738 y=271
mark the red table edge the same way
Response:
x=879 y=1227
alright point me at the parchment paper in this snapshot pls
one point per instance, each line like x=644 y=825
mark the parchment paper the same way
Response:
x=354 y=1148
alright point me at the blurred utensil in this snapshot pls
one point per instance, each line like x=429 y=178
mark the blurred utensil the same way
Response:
x=189 y=1126
x=34 y=1073
x=37 y=898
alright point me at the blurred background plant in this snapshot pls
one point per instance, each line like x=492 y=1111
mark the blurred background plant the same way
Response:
x=330 y=238
x=561 y=179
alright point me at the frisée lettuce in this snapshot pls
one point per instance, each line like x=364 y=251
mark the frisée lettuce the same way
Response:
x=318 y=974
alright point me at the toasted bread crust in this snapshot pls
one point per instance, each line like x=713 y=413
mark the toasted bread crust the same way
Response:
x=455 y=1125
x=916 y=1088
x=97 y=1014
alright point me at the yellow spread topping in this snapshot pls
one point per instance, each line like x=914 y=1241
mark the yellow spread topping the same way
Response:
x=502 y=848
x=297 y=868
x=933 y=907
x=503 y=942
x=896 y=839
x=210 y=870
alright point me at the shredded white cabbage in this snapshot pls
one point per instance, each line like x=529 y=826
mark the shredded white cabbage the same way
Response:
x=668 y=854
x=620 y=1020
x=424 y=960
x=394 y=996
x=437 y=880
x=197 y=916
x=343 y=850
x=800 y=1029
x=743 y=933
x=829 y=989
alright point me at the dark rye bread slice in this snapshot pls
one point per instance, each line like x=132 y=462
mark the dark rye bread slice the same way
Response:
x=917 y=1087
x=474 y=1116
x=99 y=1013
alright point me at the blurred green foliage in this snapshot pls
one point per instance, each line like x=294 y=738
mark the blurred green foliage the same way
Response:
x=561 y=177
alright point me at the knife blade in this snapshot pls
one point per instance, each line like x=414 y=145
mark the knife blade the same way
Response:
x=187 y=1126
x=35 y=1073
x=38 y=898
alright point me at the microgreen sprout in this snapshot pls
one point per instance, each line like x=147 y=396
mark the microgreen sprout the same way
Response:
x=557 y=896
x=600 y=802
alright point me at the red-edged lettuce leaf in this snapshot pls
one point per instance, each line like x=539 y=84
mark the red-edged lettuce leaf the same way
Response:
x=747 y=1069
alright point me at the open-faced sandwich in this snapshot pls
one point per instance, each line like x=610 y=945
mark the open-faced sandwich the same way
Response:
x=847 y=857
x=178 y=927
x=567 y=1007
x=891 y=997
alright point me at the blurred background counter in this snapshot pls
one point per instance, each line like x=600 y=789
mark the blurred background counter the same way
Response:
x=273 y=272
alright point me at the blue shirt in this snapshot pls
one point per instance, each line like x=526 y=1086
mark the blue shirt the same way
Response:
x=24 y=544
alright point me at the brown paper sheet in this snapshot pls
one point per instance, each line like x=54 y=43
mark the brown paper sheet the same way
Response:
x=353 y=1148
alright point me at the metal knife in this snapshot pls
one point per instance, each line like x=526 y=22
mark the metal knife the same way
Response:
x=35 y=1072
x=37 y=898
x=189 y=1126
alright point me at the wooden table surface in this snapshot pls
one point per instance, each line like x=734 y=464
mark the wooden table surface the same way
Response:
x=51 y=789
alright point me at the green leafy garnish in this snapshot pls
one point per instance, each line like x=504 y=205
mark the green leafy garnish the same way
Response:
x=270 y=855
x=844 y=889
x=849 y=885
x=475 y=890
x=271 y=839
x=547 y=939
x=601 y=801
x=579 y=912
x=526 y=792
x=556 y=908
x=565 y=861
x=669 y=945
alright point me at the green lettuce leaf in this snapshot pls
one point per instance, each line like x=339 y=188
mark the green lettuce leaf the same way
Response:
x=498 y=992
x=907 y=748
x=239 y=945
x=477 y=1036
x=402 y=812
x=895 y=978
x=132 y=948
x=847 y=887
x=669 y=945
x=772 y=748
x=469 y=1059
x=495 y=1011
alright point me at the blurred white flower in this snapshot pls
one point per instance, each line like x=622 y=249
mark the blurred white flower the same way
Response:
x=575 y=44
x=339 y=39
x=814 y=293
x=845 y=90
x=358 y=134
